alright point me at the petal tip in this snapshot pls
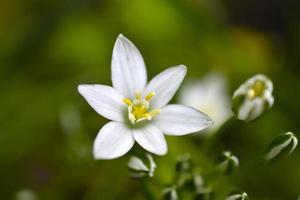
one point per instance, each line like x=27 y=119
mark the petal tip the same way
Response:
x=162 y=152
x=121 y=36
x=99 y=156
x=182 y=68
x=80 y=88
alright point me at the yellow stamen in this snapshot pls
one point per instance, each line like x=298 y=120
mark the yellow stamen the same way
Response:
x=149 y=96
x=127 y=101
x=251 y=94
x=256 y=90
x=138 y=109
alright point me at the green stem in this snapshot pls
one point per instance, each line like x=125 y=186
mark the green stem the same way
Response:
x=146 y=191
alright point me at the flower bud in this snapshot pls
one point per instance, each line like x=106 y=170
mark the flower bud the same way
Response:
x=139 y=168
x=237 y=196
x=205 y=194
x=227 y=162
x=170 y=194
x=253 y=98
x=281 y=146
x=184 y=164
x=198 y=183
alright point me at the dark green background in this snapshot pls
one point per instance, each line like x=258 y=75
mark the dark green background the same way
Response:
x=49 y=47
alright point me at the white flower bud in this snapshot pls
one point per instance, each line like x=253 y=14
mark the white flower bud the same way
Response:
x=253 y=98
x=205 y=194
x=282 y=145
x=139 y=168
x=184 y=164
x=170 y=194
x=228 y=162
x=237 y=196
x=198 y=183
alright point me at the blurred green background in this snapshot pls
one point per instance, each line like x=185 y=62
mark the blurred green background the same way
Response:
x=49 y=47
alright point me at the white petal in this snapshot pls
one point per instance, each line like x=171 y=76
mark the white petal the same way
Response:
x=105 y=100
x=128 y=69
x=181 y=120
x=114 y=140
x=165 y=85
x=251 y=109
x=151 y=138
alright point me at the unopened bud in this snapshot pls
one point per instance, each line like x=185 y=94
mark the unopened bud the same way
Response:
x=237 y=196
x=139 y=168
x=184 y=164
x=205 y=194
x=253 y=98
x=170 y=194
x=228 y=162
x=281 y=146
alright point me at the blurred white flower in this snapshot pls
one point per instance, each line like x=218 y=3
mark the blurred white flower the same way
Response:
x=25 y=194
x=70 y=119
x=253 y=98
x=139 y=112
x=209 y=95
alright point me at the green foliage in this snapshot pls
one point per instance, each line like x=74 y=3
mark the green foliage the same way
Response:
x=47 y=130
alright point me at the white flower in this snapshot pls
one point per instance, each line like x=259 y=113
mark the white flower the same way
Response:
x=209 y=95
x=139 y=112
x=253 y=98
x=26 y=194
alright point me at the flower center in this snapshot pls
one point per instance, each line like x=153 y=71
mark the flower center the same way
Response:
x=139 y=109
x=257 y=89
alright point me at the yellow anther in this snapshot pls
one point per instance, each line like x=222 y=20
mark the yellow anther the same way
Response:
x=138 y=109
x=149 y=96
x=251 y=94
x=127 y=101
x=256 y=90
x=259 y=87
